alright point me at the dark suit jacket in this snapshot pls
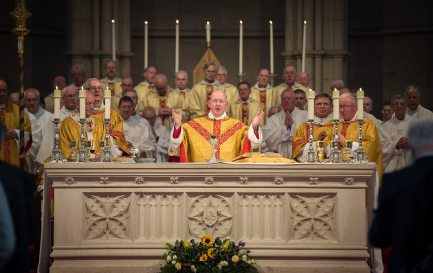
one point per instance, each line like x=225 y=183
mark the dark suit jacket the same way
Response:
x=404 y=216
x=19 y=189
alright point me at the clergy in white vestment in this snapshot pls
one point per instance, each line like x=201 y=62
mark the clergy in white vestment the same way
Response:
x=414 y=108
x=280 y=128
x=159 y=133
x=39 y=118
x=137 y=133
x=397 y=128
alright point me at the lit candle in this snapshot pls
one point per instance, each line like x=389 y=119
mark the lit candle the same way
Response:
x=113 y=37
x=57 y=96
x=271 y=47
x=336 y=104
x=241 y=45
x=208 y=34
x=304 y=40
x=146 y=33
x=107 y=102
x=176 y=62
x=360 y=99
x=310 y=99
x=82 y=96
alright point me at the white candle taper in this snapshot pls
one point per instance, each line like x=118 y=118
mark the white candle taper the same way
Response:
x=241 y=45
x=208 y=34
x=82 y=96
x=271 y=47
x=310 y=100
x=107 y=102
x=113 y=39
x=360 y=100
x=57 y=96
x=146 y=45
x=336 y=104
x=304 y=43
x=176 y=57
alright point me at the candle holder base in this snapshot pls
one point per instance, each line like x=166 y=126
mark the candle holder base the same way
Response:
x=56 y=155
x=107 y=156
x=311 y=154
x=83 y=155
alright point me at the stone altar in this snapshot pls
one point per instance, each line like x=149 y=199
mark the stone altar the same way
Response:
x=114 y=217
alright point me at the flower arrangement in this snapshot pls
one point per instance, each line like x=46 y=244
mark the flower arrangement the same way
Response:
x=207 y=256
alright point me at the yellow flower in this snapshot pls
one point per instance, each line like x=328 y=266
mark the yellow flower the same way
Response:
x=203 y=257
x=178 y=266
x=211 y=252
x=186 y=244
x=235 y=258
x=226 y=245
x=207 y=240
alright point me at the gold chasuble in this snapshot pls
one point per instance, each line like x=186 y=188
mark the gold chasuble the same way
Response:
x=232 y=139
x=370 y=139
x=300 y=138
x=116 y=127
x=245 y=111
x=70 y=129
x=9 y=117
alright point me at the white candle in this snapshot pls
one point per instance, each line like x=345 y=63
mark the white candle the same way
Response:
x=113 y=37
x=310 y=100
x=82 y=96
x=57 y=96
x=176 y=62
x=241 y=45
x=304 y=40
x=336 y=104
x=271 y=47
x=107 y=102
x=360 y=99
x=146 y=33
x=208 y=34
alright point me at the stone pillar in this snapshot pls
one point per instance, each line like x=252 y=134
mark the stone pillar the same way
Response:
x=91 y=41
x=326 y=46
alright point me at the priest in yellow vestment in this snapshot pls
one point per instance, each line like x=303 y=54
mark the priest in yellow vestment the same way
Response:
x=322 y=127
x=245 y=108
x=190 y=141
x=9 y=117
x=348 y=130
x=94 y=130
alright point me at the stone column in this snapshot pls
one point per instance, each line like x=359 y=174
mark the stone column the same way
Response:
x=326 y=47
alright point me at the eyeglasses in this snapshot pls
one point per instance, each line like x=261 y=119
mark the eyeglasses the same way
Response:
x=346 y=106
x=322 y=104
x=215 y=102
x=94 y=88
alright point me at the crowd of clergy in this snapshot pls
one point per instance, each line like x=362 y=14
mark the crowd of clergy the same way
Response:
x=141 y=116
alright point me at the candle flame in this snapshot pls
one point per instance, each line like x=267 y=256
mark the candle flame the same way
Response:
x=305 y=22
x=270 y=22
x=207 y=23
x=57 y=88
x=240 y=22
x=177 y=21
x=145 y=22
x=113 y=21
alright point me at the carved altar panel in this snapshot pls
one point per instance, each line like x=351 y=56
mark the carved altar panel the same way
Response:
x=261 y=217
x=159 y=216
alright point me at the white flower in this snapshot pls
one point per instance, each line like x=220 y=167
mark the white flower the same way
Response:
x=222 y=264
x=174 y=257
x=244 y=258
x=168 y=258
x=173 y=262
x=193 y=268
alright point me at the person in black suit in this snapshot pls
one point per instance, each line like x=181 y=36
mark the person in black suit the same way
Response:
x=19 y=187
x=404 y=218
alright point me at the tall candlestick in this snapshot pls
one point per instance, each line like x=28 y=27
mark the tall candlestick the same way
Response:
x=146 y=33
x=113 y=39
x=310 y=100
x=82 y=96
x=241 y=45
x=304 y=43
x=107 y=102
x=57 y=96
x=176 y=58
x=208 y=34
x=360 y=100
x=336 y=104
x=271 y=47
